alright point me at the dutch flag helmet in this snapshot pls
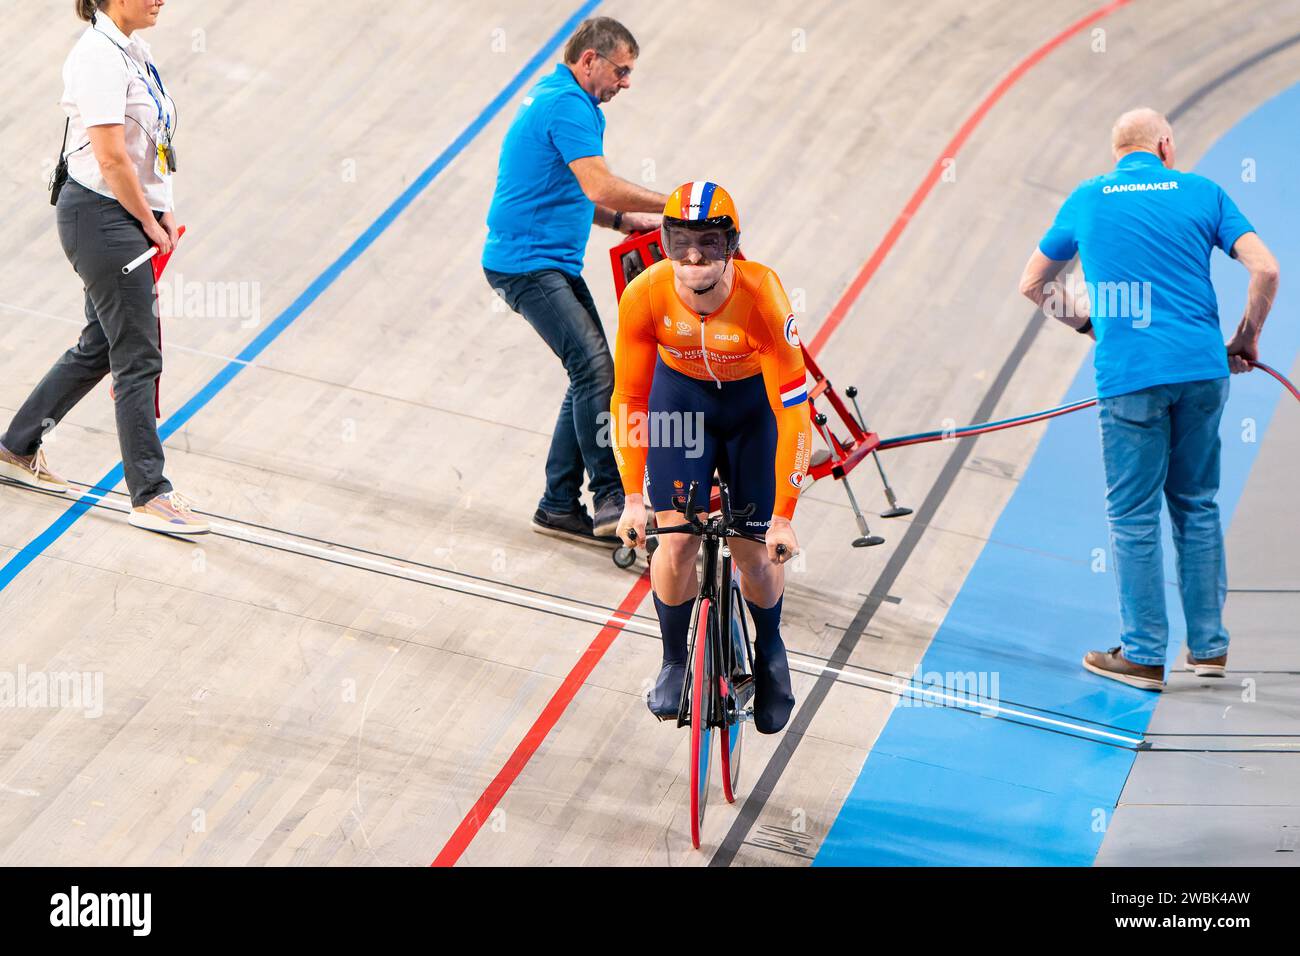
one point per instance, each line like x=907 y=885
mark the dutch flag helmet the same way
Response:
x=694 y=210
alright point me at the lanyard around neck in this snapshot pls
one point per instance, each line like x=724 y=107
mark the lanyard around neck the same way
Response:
x=164 y=116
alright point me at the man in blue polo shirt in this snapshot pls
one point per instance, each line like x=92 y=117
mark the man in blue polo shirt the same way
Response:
x=552 y=185
x=1144 y=233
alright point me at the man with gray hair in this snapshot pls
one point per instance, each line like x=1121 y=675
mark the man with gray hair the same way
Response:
x=1147 y=231
x=552 y=185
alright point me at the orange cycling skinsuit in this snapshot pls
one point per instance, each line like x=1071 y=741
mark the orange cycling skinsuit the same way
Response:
x=752 y=334
x=725 y=391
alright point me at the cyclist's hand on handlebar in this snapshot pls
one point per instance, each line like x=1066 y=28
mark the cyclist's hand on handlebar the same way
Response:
x=780 y=532
x=634 y=519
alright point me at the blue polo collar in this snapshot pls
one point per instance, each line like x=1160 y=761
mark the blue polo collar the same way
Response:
x=565 y=68
x=1137 y=159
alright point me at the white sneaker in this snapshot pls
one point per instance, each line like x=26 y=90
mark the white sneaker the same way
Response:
x=171 y=514
x=32 y=472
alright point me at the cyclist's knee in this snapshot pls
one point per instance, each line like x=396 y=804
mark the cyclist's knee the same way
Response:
x=677 y=550
x=762 y=579
x=751 y=558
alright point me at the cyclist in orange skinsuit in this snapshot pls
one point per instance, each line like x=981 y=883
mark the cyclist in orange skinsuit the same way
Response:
x=707 y=355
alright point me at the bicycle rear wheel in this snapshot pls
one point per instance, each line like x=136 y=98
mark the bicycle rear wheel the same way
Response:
x=701 y=733
x=731 y=736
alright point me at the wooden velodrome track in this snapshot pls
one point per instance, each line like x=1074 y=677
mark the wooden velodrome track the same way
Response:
x=268 y=706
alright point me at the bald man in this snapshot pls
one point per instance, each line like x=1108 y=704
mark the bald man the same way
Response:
x=1144 y=233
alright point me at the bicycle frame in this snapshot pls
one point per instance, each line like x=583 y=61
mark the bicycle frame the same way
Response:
x=718 y=623
x=720 y=684
x=718 y=591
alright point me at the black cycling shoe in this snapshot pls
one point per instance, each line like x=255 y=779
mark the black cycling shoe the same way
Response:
x=773 y=695
x=573 y=525
x=666 y=698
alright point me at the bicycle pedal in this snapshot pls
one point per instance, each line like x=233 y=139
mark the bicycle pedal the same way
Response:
x=744 y=692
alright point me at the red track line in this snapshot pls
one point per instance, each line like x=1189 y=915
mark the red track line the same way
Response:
x=478 y=815
x=841 y=308
x=483 y=808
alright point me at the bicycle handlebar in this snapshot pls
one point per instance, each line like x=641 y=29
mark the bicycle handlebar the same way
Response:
x=701 y=529
x=720 y=526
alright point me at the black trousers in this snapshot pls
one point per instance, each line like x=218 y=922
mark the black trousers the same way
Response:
x=121 y=336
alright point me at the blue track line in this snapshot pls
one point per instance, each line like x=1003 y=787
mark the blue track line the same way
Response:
x=180 y=418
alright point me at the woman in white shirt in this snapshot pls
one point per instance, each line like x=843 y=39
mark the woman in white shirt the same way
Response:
x=116 y=204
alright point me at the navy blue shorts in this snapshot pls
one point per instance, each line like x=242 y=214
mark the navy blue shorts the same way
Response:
x=695 y=428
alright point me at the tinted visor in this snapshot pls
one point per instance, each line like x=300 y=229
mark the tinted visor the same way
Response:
x=712 y=242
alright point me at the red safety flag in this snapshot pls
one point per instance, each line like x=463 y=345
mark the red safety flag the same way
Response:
x=159 y=263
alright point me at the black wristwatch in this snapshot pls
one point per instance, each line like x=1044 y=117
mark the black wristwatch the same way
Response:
x=1085 y=328
x=618 y=222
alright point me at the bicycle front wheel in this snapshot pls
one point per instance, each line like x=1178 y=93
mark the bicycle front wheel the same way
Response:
x=701 y=733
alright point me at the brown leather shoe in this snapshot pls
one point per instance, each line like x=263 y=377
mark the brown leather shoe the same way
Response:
x=1112 y=664
x=1209 y=667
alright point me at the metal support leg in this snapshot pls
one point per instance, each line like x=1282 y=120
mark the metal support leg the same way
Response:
x=895 y=511
x=867 y=539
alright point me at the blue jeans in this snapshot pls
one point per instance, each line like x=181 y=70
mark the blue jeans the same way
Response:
x=560 y=309
x=1165 y=440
